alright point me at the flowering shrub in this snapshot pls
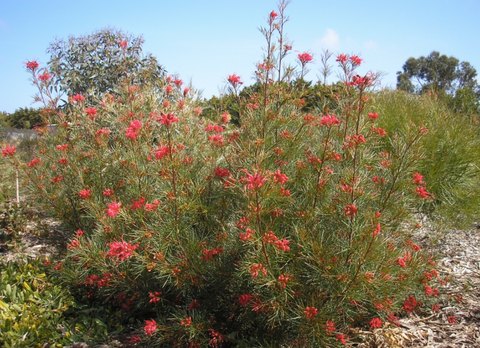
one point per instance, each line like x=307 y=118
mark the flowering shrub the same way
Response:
x=290 y=229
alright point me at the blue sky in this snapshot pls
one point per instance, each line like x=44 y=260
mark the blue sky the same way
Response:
x=205 y=41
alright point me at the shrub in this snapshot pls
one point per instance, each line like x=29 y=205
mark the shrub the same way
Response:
x=449 y=152
x=289 y=230
x=31 y=305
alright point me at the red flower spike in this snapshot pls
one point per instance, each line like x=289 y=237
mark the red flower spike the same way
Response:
x=9 y=151
x=150 y=327
x=310 y=313
x=32 y=65
x=376 y=323
x=305 y=58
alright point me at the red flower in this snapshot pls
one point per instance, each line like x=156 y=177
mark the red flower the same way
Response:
x=221 y=172
x=350 y=210
x=150 y=327
x=422 y=192
x=57 y=179
x=376 y=323
x=216 y=140
x=75 y=243
x=255 y=181
x=32 y=65
x=178 y=82
x=310 y=312
x=9 y=151
x=168 y=89
x=132 y=130
x=167 y=119
x=85 y=194
x=193 y=305
x=45 y=76
x=379 y=131
x=329 y=327
x=63 y=160
x=342 y=58
x=245 y=299
x=273 y=15
x=163 y=151
x=377 y=230
x=138 y=204
x=154 y=297
x=255 y=269
x=134 y=339
x=411 y=304
x=418 y=179
x=62 y=148
x=234 y=80
x=452 y=319
x=91 y=112
x=305 y=58
x=123 y=44
x=79 y=98
x=284 y=278
x=282 y=244
x=152 y=206
x=372 y=115
x=280 y=178
x=121 y=250
x=113 y=208
x=108 y=192
x=342 y=338
x=34 y=162
x=329 y=120
x=186 y=322
x=401 y=262
x=431 y=292
x=356 y=61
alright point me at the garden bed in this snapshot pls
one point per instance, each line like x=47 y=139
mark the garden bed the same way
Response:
x=458 y=258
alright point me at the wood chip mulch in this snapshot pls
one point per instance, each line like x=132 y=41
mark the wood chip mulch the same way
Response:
x=459 y=259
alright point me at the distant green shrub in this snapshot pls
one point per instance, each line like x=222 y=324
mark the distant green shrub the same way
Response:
x=450 y=152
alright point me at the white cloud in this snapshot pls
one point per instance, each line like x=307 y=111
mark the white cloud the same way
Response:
x=330 y=40
x=371 y=45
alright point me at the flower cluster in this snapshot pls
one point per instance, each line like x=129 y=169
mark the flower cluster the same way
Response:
x=121 y=250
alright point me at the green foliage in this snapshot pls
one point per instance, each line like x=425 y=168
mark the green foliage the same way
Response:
x=3 y=122
x=25 y=118
x=97 y=63
x=31 y=306
x=7 y=180
x=450 y=152
x=213 y=108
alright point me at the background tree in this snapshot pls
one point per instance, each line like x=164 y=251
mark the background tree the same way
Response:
x=451 y=80
x=436 y=73
x=25 y=118
x=100 y=62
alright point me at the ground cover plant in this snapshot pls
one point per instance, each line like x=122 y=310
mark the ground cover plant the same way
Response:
x=288 y=230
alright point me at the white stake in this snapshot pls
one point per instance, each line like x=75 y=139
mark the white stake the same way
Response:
x=18 y=194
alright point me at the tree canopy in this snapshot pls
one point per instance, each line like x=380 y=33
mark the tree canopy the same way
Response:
x=24 y=118
x=436 y=73
x=99 y=62
x=453 y=81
